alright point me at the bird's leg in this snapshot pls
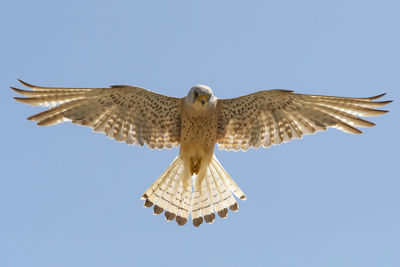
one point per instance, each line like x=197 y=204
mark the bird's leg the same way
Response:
x=191 y=166
x=195 y=166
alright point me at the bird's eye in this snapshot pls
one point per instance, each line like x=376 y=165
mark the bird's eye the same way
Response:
x=196 y=95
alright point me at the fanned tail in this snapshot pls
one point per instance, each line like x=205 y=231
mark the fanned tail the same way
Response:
x=171 y=193
x=214 y=193
x=178 y=195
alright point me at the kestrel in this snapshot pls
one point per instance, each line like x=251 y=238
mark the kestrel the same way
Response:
x=196 y=183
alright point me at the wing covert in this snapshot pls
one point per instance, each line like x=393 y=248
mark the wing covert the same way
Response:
x=128 y=114
x=271 y=117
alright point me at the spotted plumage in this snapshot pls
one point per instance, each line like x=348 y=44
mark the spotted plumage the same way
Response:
x=196 y=183
x=128 y=114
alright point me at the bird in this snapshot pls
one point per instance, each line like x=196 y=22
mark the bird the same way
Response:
x=195 y=183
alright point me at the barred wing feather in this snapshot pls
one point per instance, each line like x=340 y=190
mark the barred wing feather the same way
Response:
x=128 y=114
x=271 y=117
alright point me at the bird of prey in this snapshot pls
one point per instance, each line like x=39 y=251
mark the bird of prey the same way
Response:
x=196 y=183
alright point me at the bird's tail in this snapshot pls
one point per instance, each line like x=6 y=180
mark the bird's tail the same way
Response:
x=176 y=193
x=169 y=193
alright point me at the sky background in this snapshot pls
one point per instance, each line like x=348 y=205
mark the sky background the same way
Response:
x=70 y=197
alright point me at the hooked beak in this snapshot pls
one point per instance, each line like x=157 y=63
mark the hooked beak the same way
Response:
x=202 y=99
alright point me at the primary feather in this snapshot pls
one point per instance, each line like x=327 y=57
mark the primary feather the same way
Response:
x=271 y=117
x=128 y=114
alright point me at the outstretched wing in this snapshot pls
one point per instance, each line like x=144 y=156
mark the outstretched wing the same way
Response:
x=128 y=114
x=271 y=117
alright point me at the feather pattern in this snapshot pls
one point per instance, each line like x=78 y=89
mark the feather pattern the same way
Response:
x=272 y=117
x=128 y=114
x=137 y=116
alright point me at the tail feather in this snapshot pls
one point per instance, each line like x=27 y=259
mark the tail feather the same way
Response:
x=206 y=206
x=184 y=206
x=232 y=185
x=172 y=208
x=157 y=182
x=174 y=193
x=176 y=201
x=156 y=190
x=196 y=208
x=161 y=193
x=216 y=197
x=224 y=190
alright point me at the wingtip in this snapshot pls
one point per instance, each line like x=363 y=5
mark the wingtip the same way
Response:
x=28 y=84
x=376 y=97
x=22 y=92
x=24 y=83
x=20 y=99
x=31 y=118
x=15 y=89
x=387 y=102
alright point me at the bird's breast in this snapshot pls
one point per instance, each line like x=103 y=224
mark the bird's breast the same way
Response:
x=198 y=132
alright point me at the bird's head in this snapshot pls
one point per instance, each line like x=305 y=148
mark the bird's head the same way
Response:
x=201 y=97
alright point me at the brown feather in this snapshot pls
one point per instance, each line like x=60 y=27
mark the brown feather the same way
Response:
x=125 y=113
x=280 y=116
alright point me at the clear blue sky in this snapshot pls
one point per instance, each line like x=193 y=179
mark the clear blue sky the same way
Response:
x=70 y=197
